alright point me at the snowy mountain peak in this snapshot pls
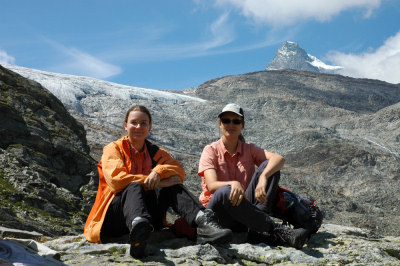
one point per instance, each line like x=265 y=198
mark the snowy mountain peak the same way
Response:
x=291 y=56
x=291 y=49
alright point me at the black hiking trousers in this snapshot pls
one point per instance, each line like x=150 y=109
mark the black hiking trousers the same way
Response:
x=134 y=202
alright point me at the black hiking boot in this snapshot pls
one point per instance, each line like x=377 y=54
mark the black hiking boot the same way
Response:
x=141 y=229
x=210 y=231
x=295 y=238
x=254 y=237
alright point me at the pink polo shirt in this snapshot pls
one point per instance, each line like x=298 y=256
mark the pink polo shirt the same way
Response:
x=239 y=166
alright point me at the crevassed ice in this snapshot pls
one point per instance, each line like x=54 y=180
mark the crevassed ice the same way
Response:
x=70 y=89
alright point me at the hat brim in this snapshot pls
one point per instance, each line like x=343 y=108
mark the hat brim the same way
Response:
x=220 y=114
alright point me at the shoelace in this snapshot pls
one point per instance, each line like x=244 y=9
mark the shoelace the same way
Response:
x=212 y=220
x=285 y=231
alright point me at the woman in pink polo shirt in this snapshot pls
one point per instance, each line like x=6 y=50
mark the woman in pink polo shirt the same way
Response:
x=233 y=188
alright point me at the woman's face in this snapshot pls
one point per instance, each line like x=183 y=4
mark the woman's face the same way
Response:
x=137 y=126
x=230 y=126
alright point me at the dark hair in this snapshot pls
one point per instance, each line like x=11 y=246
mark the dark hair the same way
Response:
x=139 y=108
x=241 y=138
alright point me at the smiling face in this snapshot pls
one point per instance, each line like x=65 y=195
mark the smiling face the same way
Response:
x=228 y=127
x=138 y=126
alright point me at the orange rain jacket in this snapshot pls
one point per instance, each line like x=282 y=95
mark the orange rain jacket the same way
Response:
x=114 y=175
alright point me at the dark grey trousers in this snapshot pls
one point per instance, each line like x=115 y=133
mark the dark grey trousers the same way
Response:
x=250 y=214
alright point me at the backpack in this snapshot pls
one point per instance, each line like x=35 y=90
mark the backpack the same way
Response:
x=297 y=210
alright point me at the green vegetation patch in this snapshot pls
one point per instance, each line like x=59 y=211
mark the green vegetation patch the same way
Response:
x=117 y=250
x=5 y=186
x=393 y=252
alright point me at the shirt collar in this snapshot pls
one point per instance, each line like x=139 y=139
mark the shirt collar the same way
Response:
x=224 y=150
x=135 y=152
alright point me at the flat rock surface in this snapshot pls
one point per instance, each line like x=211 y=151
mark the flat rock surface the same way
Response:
x=333 y=245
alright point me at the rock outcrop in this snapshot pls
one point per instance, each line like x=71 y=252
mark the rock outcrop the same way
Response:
x=44 y=161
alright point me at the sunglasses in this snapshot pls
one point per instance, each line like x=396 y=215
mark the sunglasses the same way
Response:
x=229 y=121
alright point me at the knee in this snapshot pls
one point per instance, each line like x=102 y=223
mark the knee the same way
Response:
x=135 y=186
x=262 y=167
x=175 y=189
x=222 y=193
x=220 y=198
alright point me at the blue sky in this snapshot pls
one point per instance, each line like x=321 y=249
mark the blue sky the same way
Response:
x=180 y=44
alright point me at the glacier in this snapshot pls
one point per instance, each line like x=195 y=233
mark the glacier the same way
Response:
x=70 y=89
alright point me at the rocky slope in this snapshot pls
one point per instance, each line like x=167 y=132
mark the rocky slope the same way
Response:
x=44 y=161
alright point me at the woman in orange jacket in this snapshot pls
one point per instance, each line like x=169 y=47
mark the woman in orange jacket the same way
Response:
x=138 y=182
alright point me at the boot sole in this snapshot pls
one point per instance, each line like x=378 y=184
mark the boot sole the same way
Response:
x=300 y=241
x=138 y=237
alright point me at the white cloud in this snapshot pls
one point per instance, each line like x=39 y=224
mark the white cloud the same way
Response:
x=278 y=13
x=87 y=65
x=83 y=64
x=383 y=63
x=218 y=34
x=6 y=58
x=222 y=33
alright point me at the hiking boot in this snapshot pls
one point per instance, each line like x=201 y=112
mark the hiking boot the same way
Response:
x=141 y=229
x=210 y=231
x=293 y=237
x=254 y=237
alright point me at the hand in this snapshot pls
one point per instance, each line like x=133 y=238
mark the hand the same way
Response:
x=237 y=193
x=171 y=181
x=152 y=181
x=260 y=193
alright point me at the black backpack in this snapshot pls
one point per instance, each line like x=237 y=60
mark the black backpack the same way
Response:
x=297 y=210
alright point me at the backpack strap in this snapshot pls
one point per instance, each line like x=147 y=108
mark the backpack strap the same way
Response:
x=152 y=149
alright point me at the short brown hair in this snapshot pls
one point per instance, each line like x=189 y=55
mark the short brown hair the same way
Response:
x=139 y=108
